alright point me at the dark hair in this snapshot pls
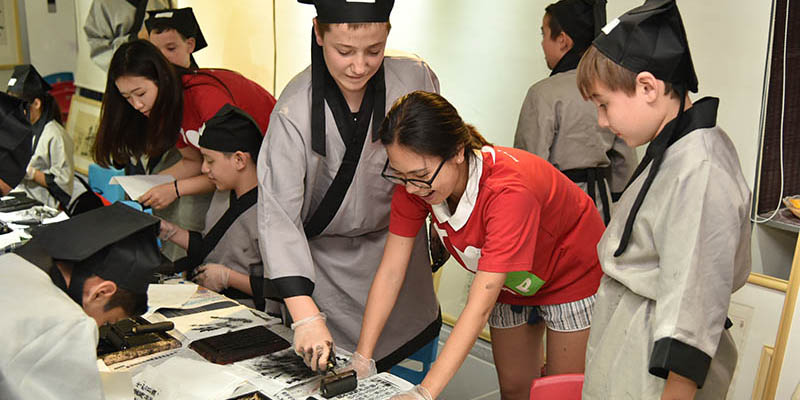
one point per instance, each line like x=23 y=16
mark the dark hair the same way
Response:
x=159 y=25
x=133 y=304
x=552 y=22
x=325 y=27
x=427 y=124
x=125 y=132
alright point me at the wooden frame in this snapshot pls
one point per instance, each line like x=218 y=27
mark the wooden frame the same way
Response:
x=784 y=328
x=84 y=117
x=10 y=43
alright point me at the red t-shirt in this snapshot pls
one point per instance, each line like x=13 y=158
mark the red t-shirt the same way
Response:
x=203 y=96
x=518 y=215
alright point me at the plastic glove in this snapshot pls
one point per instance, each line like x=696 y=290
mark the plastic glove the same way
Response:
x=167 y=230
x=364 y=367
x=416 y=393
x=313 y=341
x=30 y=172
x=212 y=276
x=159 y=196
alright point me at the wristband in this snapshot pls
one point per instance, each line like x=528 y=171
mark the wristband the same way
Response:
x=177 y=194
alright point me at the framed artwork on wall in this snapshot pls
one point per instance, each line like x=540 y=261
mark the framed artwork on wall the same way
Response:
x=10 y=44
x=84 y=117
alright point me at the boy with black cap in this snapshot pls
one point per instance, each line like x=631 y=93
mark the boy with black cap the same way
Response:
x=323 y=206
x=50 y=172
x=15 y=139
x=226 y=257
x=70 y=278
x=678 y=244
x=558 y=125
x=177 y=34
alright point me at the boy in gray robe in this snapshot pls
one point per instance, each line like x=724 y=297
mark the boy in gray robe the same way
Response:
x=323 y=207
x=225 y=257
x=557 y=124
x=679 y=242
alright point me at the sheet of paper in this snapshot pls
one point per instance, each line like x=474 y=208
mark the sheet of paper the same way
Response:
x=137 y=185
x=206 y=321
x=184 y=378
x=283 y=369
x=377 y=387
x=169 y=296
x=117 y=385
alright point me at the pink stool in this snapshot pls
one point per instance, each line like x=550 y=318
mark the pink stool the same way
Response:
x=561 y=387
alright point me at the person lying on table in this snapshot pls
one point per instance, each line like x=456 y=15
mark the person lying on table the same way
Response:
x=72 y=277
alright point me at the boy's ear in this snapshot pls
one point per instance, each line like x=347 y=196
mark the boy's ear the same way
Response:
x=316 y=32
x=648 y=86
x=240 y=160
x=564 y=41
x=101 y=292
x=191 y=42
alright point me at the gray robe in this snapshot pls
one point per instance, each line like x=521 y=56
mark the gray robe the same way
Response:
x=52 y=156
x=49 y=345
x=689 y=250
x=238 y=248
x=557 y=124
x=341 y=262
x=107 y=27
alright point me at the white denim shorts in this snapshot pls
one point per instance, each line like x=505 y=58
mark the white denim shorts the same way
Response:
x=564 y=317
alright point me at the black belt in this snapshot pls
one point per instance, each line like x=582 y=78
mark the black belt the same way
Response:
x=593 y=177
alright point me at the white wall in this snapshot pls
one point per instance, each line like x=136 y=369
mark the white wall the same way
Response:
x=51 y=36
x=87 y=74
x=239 y=36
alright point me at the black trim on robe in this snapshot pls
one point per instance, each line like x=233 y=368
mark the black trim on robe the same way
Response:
x=288 y=286
x=412 y=346
x=568 y=61
x=702 y=115
x=59 y=194
x=673 y=355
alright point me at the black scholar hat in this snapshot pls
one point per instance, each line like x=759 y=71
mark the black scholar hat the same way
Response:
x=231 y=129
x=180 y=19
x=651 y=38
x=580 y=19
x=16 y=139
x=26 y=83
x=116 y=243
x=351 y=11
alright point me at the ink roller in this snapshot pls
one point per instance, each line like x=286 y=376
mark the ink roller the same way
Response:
x=334 y=384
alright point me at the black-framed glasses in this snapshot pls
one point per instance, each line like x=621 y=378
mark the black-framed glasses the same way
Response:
x=415 y=182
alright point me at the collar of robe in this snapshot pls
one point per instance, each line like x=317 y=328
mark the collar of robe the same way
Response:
x=569 y=61
x=702 y=114
x=374 y=101
x=38 y=127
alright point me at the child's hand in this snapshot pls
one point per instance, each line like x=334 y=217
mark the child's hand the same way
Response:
x=166 y=230
x=213 y=276
x=159 y=197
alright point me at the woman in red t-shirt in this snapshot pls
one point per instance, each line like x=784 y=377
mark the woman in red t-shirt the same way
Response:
x=151 y=106
x=527 y=232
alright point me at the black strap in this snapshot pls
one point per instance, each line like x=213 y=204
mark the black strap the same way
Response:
x=140 y=169
x=593 y=177
x=412 y=346
x=201 y=246
x=354 y=134
x=138 y=19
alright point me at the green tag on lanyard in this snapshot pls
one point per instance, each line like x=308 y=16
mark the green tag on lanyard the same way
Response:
x=523 y=283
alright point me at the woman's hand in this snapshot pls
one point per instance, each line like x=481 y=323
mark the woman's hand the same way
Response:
x=159 y=196
x=416 y=393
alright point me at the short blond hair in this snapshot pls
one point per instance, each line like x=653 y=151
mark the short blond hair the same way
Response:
x=595 y=68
